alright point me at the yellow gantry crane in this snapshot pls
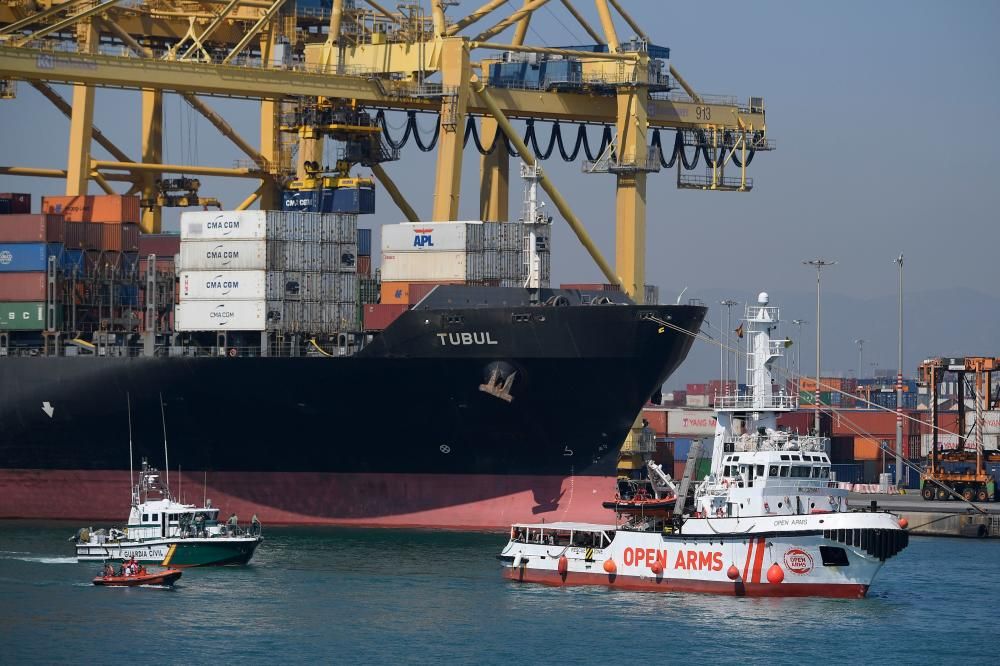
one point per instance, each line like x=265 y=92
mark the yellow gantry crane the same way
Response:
x=345 y=60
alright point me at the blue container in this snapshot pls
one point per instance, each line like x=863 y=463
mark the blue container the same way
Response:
x=72 y=261
x=27 y=257
x=358 y=200
x=850 y=473
x=364 y=242
x=128 y=294
x=305 y=201
x=130 y=262
x=681 y=449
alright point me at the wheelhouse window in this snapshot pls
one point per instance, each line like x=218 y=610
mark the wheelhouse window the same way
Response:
x=145 y=517
x=784 y=471
x=773 y=470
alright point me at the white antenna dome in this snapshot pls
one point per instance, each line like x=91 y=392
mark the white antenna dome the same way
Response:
x=762 y=298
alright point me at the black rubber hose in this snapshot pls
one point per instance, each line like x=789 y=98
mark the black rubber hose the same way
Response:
x=416 y=135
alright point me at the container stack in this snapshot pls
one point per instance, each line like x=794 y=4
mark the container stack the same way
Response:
x=26 y=243
x=281 y=271
x=101 y=235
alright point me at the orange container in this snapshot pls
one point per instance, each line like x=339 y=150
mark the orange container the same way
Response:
x=407 y=293
x=100 y=208
x=866 y=448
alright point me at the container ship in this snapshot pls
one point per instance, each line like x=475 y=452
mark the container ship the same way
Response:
x=285 y=378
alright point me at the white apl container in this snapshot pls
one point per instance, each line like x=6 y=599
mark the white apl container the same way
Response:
x=220 y=315
x=213 y=255
x=224 y=225
x=424 y=266
x=432 y=237
x=222 y=285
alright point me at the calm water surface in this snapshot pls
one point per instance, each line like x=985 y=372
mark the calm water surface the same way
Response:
x=332 y=595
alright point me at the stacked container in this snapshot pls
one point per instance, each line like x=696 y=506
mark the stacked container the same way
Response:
x=476 y=253
x=282 y=271
x=26 y=243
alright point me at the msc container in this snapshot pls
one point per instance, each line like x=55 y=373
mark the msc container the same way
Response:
x=162 y=245
x=102 y=208
x=22 y=286
x=432 y=237
x=222 y=285
x=214 y=255
x=429 y=266
x=25 y=316
x=27 y=257
x=32 y=229
x=224 y=224
x=14 y=203
x=215 y=315
x=364 y=242
x=378 y=317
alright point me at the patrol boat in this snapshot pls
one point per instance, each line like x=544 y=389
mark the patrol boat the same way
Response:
x=163 y=531
x=767 y=521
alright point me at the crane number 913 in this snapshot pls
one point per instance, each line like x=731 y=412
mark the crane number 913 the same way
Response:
x=703 y=112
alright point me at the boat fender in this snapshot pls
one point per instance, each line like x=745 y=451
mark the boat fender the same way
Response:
x=732 y=572
x=725 y=483
x=767 y=507
x=563 y=566
x=775 y=574
x=903 y=523
x=788 y=502
x=833 y=501
x=518 y=560
x=610 y=566
x=720 y=513
x=656 y=567
x=233 y=352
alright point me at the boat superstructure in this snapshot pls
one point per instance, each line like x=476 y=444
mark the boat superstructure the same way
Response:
x=162 y=530
x=767 y=520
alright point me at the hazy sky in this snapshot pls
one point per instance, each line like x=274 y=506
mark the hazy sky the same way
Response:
x=883 y=115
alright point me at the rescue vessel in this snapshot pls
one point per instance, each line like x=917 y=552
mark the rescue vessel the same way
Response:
x=766 y=521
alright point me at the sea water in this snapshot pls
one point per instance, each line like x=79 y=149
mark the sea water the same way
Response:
x=336 y=595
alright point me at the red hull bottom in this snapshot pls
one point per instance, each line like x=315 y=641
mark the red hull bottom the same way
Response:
x=166 y=577
x=660 y=584
x=444 y=501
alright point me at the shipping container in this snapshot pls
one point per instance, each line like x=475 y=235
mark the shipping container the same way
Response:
x=866 y=448
x=364 y=242
x=220 y=315
x=15 y=203
x=84 y=235
x=117 y=237
x=32 y=229
x=427 y=266
x=432 y=237
x=841 y=449
x=162 y=245
x=681 y=448
x=696 y=400
x=27 y=257
x=691 y=422
x=224 y=225
x=223 y=255
x=364 y=266
x=25 y=317
x=100 y=208
x=697 y=389
x=378 y=317
x=657 y=420
x=71 y=262
x=163 y=265
x=847 y=473
x=301 y=256
x=222 y=285
x=23 y=286
x=591 y=286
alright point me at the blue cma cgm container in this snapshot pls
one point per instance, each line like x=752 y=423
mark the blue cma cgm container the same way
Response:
x=356 y=200
x=27 y=257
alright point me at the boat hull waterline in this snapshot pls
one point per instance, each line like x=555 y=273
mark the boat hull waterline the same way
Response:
x=164 y=578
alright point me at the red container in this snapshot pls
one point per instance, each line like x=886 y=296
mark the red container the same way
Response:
x=99 y=208
x=657 y=419
x=19 y=228
x=162 y=245
x=15 y=203
x=364 y=265
x=83 y=235
x=163 y=265
x=22 y=286
x=111 y=237
x=379 y=316
x=697 y=389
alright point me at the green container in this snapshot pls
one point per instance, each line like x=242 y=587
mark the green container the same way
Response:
x=24 y=316
x=702 y=469
x=806 y=397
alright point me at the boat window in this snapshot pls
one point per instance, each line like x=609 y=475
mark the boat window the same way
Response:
x=773 y=471
x=834 y=556
x=784 y=470
x=725 y=471
x=145 y=517
x=824 y=472
x=784 y=457
x=760 y=470
x=156 y=517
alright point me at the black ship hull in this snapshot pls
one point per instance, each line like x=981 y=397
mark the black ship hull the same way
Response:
x=446 y=410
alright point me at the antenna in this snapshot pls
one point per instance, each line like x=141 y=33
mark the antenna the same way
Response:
x=166 y=458
x=681 y=295
x=131 y=480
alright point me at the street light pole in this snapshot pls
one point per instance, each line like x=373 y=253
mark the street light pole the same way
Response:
x=899 y=380
x=861 y=357
x=819 y=264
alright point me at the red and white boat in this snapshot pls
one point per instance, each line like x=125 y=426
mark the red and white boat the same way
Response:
x=767 y=520
x=165 y=577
